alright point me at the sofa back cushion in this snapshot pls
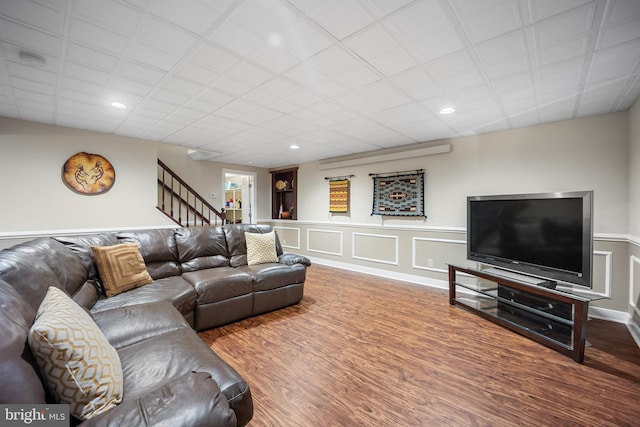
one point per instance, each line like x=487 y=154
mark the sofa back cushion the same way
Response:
x=81 y=246
x=237 y=243
x=201 y=247
x=19 y=380
x=33 y=266
x=158 y=249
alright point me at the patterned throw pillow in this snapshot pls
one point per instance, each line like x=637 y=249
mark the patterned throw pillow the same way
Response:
x=261 y=247
x=79 y=365
x=121 y=267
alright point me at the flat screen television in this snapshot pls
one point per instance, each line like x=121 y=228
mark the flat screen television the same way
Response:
x=545 y=235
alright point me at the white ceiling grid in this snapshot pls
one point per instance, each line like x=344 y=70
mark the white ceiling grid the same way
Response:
x=246 y=79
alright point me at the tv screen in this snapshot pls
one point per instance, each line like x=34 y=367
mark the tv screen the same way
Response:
x=547 y=235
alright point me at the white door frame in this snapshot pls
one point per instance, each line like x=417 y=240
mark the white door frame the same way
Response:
x=252 y=191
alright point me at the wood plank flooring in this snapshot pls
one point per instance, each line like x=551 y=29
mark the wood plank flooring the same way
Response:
x=365 y=351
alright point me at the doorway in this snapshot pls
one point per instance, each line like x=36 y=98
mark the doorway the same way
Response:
x=239 y=196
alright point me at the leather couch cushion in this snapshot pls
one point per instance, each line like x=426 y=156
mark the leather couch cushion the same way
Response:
x=78 y=363
x=217 y=284
x=81 y=245
x=201 y=247
x=16 y=317
x=33 y=266
x=273 y=276
x=191 y=400
x=174 y=289
x=237 y=244
x=158 y=248
x=261 y=247
x=158 y=360
x=121 y=268
x=128 y=325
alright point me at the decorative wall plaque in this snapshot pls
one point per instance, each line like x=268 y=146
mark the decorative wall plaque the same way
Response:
x=87 y=173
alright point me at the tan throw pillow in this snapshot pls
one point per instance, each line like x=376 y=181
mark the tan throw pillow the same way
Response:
x=121 y=267
x=261 y=248
x=79 y=365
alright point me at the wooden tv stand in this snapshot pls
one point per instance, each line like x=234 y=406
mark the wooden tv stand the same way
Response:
x=554 y=318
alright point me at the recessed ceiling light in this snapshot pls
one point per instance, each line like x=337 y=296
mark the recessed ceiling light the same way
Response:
x=294 y=147
x=119 y=105
x=275 y=39
x=447 y=110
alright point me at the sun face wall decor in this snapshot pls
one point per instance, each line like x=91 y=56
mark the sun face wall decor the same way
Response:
x=87 y=173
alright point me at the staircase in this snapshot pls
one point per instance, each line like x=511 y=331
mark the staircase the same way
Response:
x=178 y=201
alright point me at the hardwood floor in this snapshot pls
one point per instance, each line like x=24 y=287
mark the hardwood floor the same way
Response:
x=366 y=351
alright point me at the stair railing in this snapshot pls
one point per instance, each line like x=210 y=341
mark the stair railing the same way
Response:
x=176 y=198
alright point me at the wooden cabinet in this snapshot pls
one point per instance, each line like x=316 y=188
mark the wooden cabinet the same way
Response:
x=284 y=193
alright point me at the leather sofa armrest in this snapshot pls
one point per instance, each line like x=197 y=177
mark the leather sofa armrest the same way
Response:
x=130 y=324
x=290 y=259
x=189 y=401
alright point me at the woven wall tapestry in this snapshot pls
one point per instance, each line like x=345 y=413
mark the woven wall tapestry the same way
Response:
x=339 y=196
x=399 y=195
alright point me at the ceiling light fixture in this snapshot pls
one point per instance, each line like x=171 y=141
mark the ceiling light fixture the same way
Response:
x=275 y=39
x=294 y=147
x=119 y=105
x=447 y=110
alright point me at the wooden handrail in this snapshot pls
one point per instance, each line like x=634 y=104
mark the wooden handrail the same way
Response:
x=180 y=201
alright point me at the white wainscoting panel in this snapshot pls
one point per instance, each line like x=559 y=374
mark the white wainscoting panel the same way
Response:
x=289 y=236
x=380 y=248
x=324 y=241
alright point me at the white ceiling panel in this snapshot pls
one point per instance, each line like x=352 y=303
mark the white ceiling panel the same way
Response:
x=247 y=78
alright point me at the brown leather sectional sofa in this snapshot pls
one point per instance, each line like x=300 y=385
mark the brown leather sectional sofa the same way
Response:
x=200 y=280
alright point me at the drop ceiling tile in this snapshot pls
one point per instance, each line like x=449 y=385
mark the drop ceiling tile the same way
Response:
x=92 y=57
x=574 y=23
x=343 y=18
x=359 y=76
x=437 y=44
x=72 y=95
x=151 y=56
x=620 y=33
x=507 y=67
x=214 y=57
x=50 y=19
x=93 y=35
x=182 y=87
x=625 y=57
x=142 y=73
x=408 y=113
x=333 y=60
x=194 y=15
x=304 y=98
x=261 y=116
x=196 y=73
x=545 y=8
x=276 y=60
x=33 y=99
x=251 y=74
x=502 y=47
x=305 y=74
x=371 y=42
x=266 y=18
x=385 y=7
x=561 y=51
x=420 y=19
x=165 y=36
x=31 y=38
x=417 y=83
x=243 y=106
x=130 y=86
x=493 y=21
x=280 y=87
x=81 y=86
x=237 y=39
x=393 y=62
x=232 y=87
x=32 y=73
x=110 y=14
x=305 y=40
x=170 y=98
x=88 y=74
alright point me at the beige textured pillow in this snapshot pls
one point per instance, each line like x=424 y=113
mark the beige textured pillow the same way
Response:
x=121 y=267
x=261 y=248
x=79 y=365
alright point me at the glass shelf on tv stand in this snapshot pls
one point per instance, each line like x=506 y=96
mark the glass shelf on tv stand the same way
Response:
x=554 y=317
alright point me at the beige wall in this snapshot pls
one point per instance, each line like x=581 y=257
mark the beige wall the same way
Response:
x=634 y=211
x=582 y=154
